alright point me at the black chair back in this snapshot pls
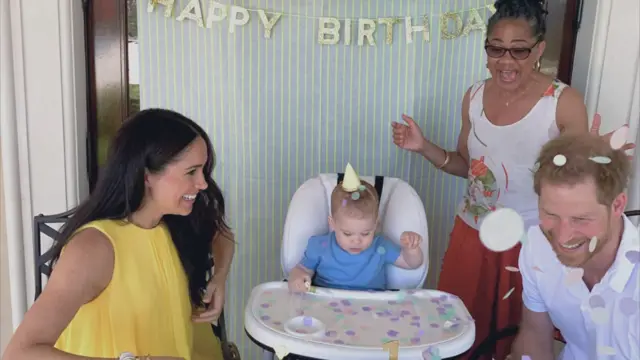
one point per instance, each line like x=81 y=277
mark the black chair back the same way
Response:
x=42 y=225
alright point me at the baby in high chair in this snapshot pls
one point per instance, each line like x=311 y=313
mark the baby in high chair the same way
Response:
x=352 y=256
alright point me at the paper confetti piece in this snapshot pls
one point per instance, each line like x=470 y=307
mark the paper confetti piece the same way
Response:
x=628 y=306
x=619 y=137
x=606 y=350
x=381 y=250
x=508 y=293
x=559 y=160
x=307 y=321
x=512 y=268
x=593 y=243
x=596 y=301
x=633 y=256
x=431 y=354
x=573 y=276
x=535 y=167
x=502 y=229
x=447 y=324
x=281 y=351
x=600 y=160
x=599 y=316
x=523 y=239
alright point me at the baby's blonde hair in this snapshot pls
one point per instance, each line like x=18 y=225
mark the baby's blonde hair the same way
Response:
x=366 y=205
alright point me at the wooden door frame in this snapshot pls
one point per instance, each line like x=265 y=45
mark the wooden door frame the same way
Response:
x=108 y=77
x=571 y=25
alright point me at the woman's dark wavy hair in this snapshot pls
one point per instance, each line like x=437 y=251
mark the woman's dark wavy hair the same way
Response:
x=533 y=11
x=149 y=141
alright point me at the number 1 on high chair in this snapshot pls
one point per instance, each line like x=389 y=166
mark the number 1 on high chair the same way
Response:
x=392 y=347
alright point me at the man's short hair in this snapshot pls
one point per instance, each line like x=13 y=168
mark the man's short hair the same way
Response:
x=587 y=156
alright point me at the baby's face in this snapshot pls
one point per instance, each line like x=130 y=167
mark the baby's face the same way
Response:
x=353 y=235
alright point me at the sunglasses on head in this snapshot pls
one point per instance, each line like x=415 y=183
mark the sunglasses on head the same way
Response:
x=518 y=53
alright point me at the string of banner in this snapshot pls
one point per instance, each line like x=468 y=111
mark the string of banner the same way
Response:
x=329 y=27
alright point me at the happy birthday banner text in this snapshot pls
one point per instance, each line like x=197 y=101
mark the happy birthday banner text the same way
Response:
x=329 y=27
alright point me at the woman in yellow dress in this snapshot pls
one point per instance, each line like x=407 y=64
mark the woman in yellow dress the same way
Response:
x=132 y=276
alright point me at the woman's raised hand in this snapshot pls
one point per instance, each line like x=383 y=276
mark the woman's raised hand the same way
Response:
x=595 y=129
x=408 y=136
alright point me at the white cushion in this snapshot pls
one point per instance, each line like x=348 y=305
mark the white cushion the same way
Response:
x=401 y=209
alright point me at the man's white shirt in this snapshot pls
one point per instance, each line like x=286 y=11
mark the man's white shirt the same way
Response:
x=601 y=324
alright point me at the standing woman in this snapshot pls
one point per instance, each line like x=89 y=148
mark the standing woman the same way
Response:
x=506 y=120
x=132 y=266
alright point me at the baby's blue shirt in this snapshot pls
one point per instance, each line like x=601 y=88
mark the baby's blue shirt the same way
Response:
x=336 y=268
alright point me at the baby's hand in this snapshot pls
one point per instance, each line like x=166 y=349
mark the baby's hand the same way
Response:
x=299 y=282
x=410 y=240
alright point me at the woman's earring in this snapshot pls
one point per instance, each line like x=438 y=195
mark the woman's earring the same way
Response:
x=537 y=65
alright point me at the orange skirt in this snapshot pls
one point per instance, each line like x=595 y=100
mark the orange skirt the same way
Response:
x=478 y=276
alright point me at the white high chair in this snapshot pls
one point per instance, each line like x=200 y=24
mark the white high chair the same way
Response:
x=401 y=209
x=306 y=326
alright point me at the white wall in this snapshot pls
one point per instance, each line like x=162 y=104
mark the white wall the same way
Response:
x=43 y=119
x=607 y=62
x=607 y=70
x=5 y=295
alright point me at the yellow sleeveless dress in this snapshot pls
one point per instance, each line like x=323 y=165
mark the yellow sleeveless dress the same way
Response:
x=145 y=309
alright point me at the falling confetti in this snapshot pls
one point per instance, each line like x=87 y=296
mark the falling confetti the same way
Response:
x=628 y=306
x=633 y=256
x=600 y=316
x=523 y=239
x=606 y=350
x=502 y=229
x=535 y=268
x=559 y=160
x=536 y=167
x=573 y=276
x=619 y=137
x=593 y=243
x=600 y=160
x=596 y=301
x=508 y=293
x=512 y=269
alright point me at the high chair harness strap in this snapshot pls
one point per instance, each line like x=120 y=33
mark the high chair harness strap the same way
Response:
x=378 y=183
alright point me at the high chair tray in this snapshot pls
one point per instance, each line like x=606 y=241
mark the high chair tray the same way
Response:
x=341 y=324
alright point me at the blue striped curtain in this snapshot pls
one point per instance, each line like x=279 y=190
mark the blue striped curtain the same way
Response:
x=282 y=110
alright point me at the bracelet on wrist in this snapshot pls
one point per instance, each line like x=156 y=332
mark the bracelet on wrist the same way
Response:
x=447 y=158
